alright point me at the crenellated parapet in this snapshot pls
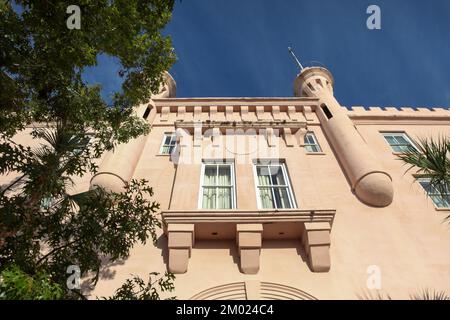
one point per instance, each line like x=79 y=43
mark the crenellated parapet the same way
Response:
x=235 y=110
x=398 y=110
x=404 y=115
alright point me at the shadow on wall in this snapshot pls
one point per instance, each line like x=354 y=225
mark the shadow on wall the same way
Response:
x=106 y=273
x=162 y=244
x=285 y=244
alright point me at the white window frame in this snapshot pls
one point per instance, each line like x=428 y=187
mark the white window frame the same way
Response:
x=233 y=182
x=286 y=178
x=432 y=195
x=398 y=133
x=315 y=144
x=173 y=136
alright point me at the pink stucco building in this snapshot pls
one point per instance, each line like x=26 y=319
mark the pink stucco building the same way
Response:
x=281 y=198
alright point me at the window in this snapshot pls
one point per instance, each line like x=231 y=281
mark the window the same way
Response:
x=439 y=199
x=168 y=144
x=399 y=141
x=217 y=188
x=273 y=187
x=146 y=113
x=47 y=203
x=311 y=144
x=326 y=111
x=83 y=144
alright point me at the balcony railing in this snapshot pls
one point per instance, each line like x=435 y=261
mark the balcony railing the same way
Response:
x=249 y=216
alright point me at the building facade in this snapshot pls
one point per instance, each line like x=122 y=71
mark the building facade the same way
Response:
x=284 y=198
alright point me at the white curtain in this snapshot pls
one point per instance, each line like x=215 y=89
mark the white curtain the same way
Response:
x=217 y=188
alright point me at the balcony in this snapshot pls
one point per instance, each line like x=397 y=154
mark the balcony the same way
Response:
x=249 y=229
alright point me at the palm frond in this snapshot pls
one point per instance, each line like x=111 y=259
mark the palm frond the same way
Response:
x=431 y=161
x=430 y=294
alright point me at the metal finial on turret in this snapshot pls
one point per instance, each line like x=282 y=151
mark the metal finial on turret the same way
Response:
x=295 y=58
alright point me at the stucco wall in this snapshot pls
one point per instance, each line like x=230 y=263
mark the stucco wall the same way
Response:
x=407 y=240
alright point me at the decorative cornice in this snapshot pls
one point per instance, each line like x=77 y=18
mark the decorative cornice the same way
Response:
x=276 y=124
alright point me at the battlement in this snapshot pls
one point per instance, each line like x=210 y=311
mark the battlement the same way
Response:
x=354 y=109
x=436 y=114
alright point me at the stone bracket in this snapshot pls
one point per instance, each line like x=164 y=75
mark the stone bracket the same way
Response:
x=249 y=241
x=316 y=242
x=180 y=242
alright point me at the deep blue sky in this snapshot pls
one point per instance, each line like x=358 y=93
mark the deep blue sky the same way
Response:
x=237 y=48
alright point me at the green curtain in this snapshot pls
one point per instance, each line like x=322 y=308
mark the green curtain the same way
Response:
x=272 y=196
x=209 y=198
x=265 y=193
x=217 y=188
x=210 y=176
x=223 y=198
x=224 y=194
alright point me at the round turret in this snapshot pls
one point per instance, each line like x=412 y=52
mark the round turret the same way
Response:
x=369 y=181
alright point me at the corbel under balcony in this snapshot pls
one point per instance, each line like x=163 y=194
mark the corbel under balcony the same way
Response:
x=249 y=228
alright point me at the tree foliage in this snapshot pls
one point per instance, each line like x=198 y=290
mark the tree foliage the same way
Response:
x=44 y=227
x=17 y=285
x=137 y=289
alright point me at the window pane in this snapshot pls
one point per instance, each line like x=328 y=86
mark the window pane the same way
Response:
x=441 y=201
x=224 y=178
x=266 y=198
x=277 y=176
x=217 y=187
x=224 y=198
x=405 y=148
x=446 y=201
x=210 y=176
x=311 y=144
x=166 y=150
x=282 y=198
x=425 y=184
x=312 y=148
x=209 y=198
x=169 y=143
x=401 y=140
x=263 y=176
x=273 y=189
x=390 y=140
